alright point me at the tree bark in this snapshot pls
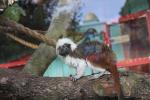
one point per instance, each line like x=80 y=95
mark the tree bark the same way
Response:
x=40 y=59
x=15 y=85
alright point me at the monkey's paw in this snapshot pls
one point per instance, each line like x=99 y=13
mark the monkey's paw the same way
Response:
x=73 y=78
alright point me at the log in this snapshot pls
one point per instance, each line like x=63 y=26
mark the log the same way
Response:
x=17 y=85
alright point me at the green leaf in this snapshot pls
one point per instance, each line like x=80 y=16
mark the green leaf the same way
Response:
x=14 y=12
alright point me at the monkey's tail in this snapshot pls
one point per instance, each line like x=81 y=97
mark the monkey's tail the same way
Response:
x=115 y=75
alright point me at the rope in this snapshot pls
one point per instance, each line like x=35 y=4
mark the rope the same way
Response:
x=22 y=29
x=21 y=41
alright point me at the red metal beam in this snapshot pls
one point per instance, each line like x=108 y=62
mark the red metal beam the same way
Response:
x=124 y=63
x=148 y=24
x=15 y=63
x=106 y=35
x=134 y=62
x=132 y=16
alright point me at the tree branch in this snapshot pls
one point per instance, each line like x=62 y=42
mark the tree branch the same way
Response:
x=19 y=85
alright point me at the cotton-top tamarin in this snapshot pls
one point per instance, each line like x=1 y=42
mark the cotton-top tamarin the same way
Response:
x=95 y=55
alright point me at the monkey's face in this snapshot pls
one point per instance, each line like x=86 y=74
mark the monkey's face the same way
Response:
x=64 y=46
x=64 y=50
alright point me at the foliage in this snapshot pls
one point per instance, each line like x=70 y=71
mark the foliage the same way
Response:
x=74 y=35
x=37 y=17
x=132 y=6
x=14 y=12
x=72 y=30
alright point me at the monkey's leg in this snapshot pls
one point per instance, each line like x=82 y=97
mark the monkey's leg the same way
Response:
x=97 y=74
x=117 y=85
x=80 y=71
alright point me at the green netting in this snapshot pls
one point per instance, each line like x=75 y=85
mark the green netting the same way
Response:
x=132 y=6
x=138 y=5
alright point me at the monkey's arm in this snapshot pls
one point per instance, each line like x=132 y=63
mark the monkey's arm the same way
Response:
x=79 y=73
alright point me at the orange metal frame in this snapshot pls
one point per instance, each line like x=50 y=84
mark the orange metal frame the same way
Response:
x=122 y=19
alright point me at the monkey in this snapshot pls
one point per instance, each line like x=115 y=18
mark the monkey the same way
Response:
x=100 y=57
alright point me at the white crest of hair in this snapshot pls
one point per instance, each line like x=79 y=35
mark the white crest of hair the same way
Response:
x=63 y=41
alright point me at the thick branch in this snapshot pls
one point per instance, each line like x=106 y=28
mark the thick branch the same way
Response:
x=19 y=85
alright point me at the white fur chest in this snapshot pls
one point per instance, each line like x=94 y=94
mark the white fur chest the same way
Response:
x=74 y=62
x=81 y=64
